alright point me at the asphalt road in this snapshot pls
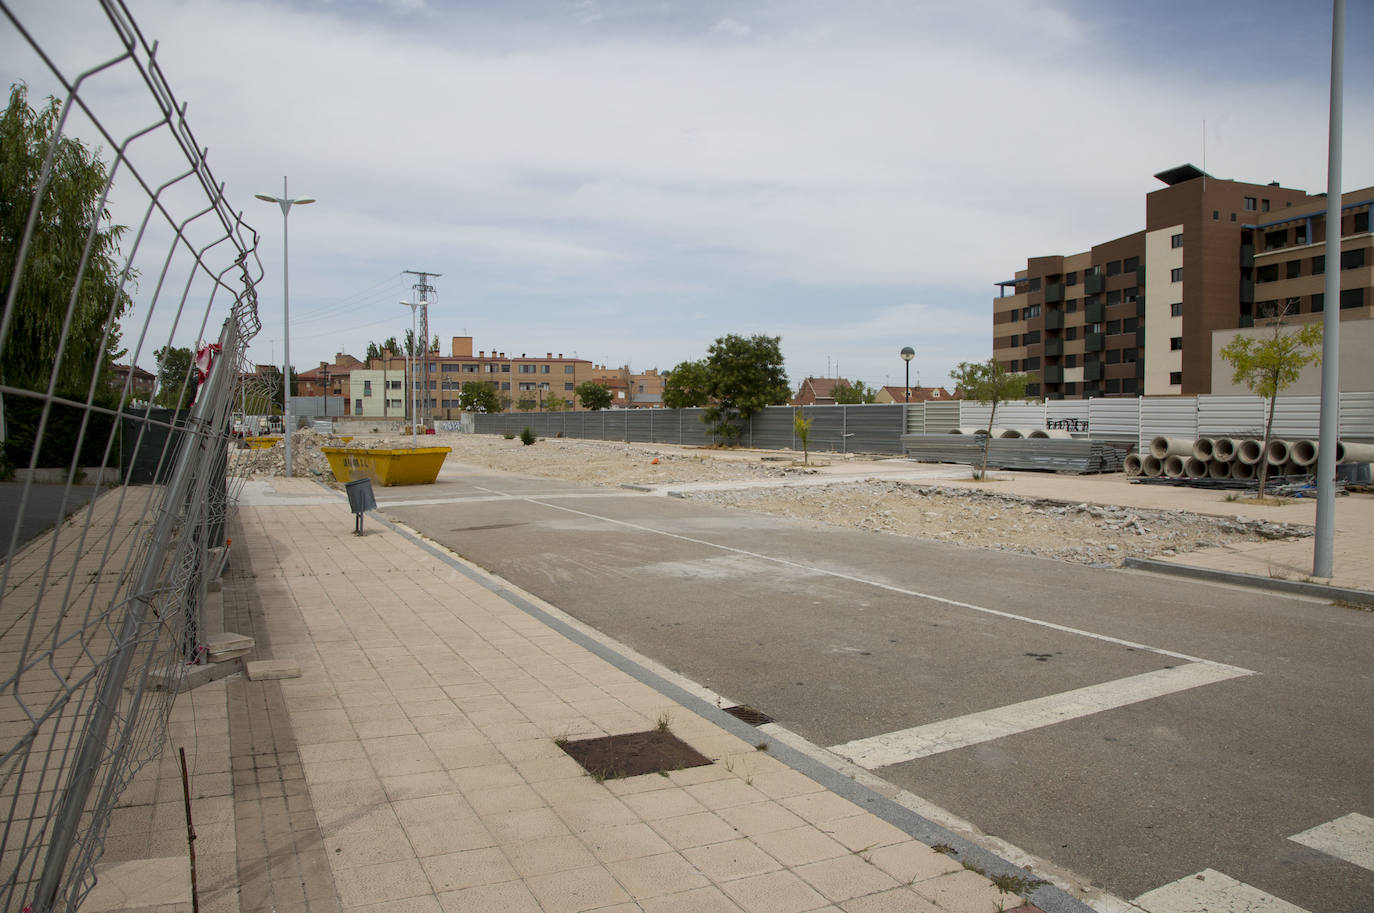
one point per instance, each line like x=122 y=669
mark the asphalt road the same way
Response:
x=845 y=635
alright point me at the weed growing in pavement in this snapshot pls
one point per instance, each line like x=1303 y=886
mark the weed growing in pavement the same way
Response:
x=762 y=746
x=1357 y=606
x=973 y=868
x=663 y=720
x=1016 y=884
x=944 y=848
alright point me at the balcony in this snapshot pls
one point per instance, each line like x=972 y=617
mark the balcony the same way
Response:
x=1140 y=276
x=1053 y=374
x=1140 y=337
x=1247 y=255
x=1092 y=342
x=1054 y=320
x=1247 y=291
x=1054 y=347
x=1093 y=312
x=1140 y=307
x=1054 y=292
x=1094 y=283
x=1092 y=371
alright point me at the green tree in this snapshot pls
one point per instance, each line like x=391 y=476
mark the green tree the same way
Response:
x=594 y=396
x=802 y=428
x=373 y=351
x=555 y=403
x=479 y=396
x=988 y=382
x=173 y=370
x=71 y=215
x=526 y=403
x=745 y=376
x=390 y=346
x=1266 y=365
x=687 y=385
x=847 y=394
x=434 y=346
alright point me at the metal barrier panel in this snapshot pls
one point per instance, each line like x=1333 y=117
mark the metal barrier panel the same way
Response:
x=873 y=428
x=1172 y=416
x=772 y=429
x=638 y=424
x=1296 y=417
x=942 y=418
x=103 y=587
x=1234 y=416
x=1357 y=416
x=614 y=424
x=915 y=419
x=1021 y=414
x=1114 y=419
x=1067 y=415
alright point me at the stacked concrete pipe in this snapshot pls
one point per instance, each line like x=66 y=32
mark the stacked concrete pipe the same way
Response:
x=1164 y=447
x=1224 y=449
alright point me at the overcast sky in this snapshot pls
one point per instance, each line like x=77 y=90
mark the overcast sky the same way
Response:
x=627 y=181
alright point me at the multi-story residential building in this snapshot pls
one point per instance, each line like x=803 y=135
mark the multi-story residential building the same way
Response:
x=140 y=387
x=1136 y=315
x=898 y=394
x=646 y=390
x=330 y=381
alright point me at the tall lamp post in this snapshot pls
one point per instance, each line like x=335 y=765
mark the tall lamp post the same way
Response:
x=285 y=202
x=908 y=353
x=411 y=360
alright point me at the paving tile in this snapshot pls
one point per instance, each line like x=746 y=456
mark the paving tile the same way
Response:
x=845 y=877
x=426 y=904
x=654 y=876
x=607 y=811
x=530 y=824
x=863 y=832
x=912 y=861
x=349 y=849
x=662 y=803
x=718 y=794
x=382 y=883
x=800 y=845
x=760 y=818
x=511 y=897
x=505 y=799
x=626 y=841
x=547 y=854
x=575 y=890
x=821 y=807
x=731 y=859
x=687 y=831
x=965 y=891
x=701 y=900
x=898 y=900
x=455 y=871
x=775 y=892
x=419 y=785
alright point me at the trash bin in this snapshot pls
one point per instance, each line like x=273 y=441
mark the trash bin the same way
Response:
x=360 y=499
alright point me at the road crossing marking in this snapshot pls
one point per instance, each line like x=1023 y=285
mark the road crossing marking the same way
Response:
x=959 y=732
x=1212 y=892
x=1350 y=837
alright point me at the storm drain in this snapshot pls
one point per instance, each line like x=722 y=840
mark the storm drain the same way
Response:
x=751 y=715
x=633 y=754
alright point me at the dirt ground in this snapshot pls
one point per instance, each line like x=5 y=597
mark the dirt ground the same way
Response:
x=1079 y=532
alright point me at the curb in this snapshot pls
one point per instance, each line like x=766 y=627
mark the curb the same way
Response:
x=1319 y=590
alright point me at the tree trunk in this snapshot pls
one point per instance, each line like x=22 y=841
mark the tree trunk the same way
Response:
x=987 y=441
x=1264 y=453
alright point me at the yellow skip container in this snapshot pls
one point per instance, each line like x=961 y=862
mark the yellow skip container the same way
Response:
x=260 y=443
x=411 y=466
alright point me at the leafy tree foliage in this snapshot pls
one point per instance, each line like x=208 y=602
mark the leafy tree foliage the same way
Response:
x=802 y=428
x=71 y=214
x=594 y=396
x=479 y=396
x=555 y=404
x=687 y=385
x=1270 y=364
x=373 y=351
x=852 y=395
x=526 y=403
x=988 y=382
x=174 y=368
x=434 y=346
x=745 y=376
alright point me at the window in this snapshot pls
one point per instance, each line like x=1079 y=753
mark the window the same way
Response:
x=1131 y=295
x=1300 y=234
x=1113 y=385
x=1113 y=356
x=1128 y=385
x=1264 y=205
x=470 y=369
x=1352 y=259
x=1360 y=222
x=1249 y=204
x=1352 y=298
x=1318 y=303
x=1114 y=297
x=1114 y=268
x=1031 y=364
x=1292 y=269
x=1216 y=215
x=528 y=369
x=543 y=369
x=1032 y=389
x=1176 y=344
x=357 y=407
x=1032 y=311
x=567 y=369
x=1030 y=338
x=1070 y=361
x=1015 y=340
x=1113 y=327
x=1129 y=324
x=1071 y=306
x=1176 y=378
x=1177 y=240
x=1095 y=328
x=1015 y=366
x=526 y=386
x=393 y=385
x=367 y=388
x=1273 y=240
x=1131 y=265
x=1176 y=309
x=1069 y=389
x=505 y=369
x=1233 y=217
x=1071 y=278
x=1267 y=273
x=1070 y=332
x=505 y=385
x=1176 y=275
x=1130 y=356
x=568 y=386
x=1033 y=285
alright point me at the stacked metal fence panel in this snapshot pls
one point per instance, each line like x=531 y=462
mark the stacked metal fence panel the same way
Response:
x=110 y=598
x=1051 y=455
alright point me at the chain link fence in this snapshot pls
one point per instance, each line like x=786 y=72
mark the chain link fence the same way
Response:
x=115 y=242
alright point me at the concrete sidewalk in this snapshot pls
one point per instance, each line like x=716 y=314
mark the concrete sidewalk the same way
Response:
x=412 y=766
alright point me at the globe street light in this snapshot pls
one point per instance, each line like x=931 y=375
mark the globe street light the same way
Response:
x=410 y=361
x=285 y=202
x=908 y=353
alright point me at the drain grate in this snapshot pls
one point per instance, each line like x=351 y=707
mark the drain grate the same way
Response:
x=751 y=715
x=633 y=754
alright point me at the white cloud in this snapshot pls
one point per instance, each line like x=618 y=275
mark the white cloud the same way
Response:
x=733 y=28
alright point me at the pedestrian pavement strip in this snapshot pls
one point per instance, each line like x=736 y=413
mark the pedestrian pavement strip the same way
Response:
x=1349 y=838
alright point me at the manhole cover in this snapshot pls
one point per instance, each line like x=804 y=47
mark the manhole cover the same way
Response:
x=632 y=754
x=751 y=715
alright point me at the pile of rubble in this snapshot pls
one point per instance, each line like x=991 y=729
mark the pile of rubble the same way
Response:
x=1084 y=533
x=306 y=458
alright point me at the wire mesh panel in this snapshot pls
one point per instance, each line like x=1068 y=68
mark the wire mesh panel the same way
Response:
x=116 y=244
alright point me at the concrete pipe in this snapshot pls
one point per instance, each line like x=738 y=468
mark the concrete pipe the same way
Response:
x=1351 y=452
x=1277 y=454
x=1242 y=471
x=1218 y=470
x=1202 y=448
x=1295 y=469
x=1170 y=446
x=1131 y=465
x=1304 y=453
x=1249 y=451
x=1224 y=448
x=1194 y=468
x=1009 y=433
x=968 y=431
x=1173 y=466
x=1151 y=467
x=1038 y=433
x=1059 y=434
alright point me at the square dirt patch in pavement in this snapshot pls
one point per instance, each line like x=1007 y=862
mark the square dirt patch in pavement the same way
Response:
x=633 y=754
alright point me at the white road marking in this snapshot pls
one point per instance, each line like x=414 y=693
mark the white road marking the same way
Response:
x=947 y=735
x=877 y=584
x=1350 y=837
x=1210 y=891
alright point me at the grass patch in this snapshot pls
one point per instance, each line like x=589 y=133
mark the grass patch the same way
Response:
x=1016 y=884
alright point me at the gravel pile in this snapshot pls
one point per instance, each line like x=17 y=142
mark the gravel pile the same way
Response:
x=1084 y=533
x=306 y=458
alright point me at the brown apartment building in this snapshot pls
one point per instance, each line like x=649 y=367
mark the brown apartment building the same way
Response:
x=1135 y=315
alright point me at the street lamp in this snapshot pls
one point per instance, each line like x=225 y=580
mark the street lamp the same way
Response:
x=410 y=361
x=908 y=353
x=285 y=202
